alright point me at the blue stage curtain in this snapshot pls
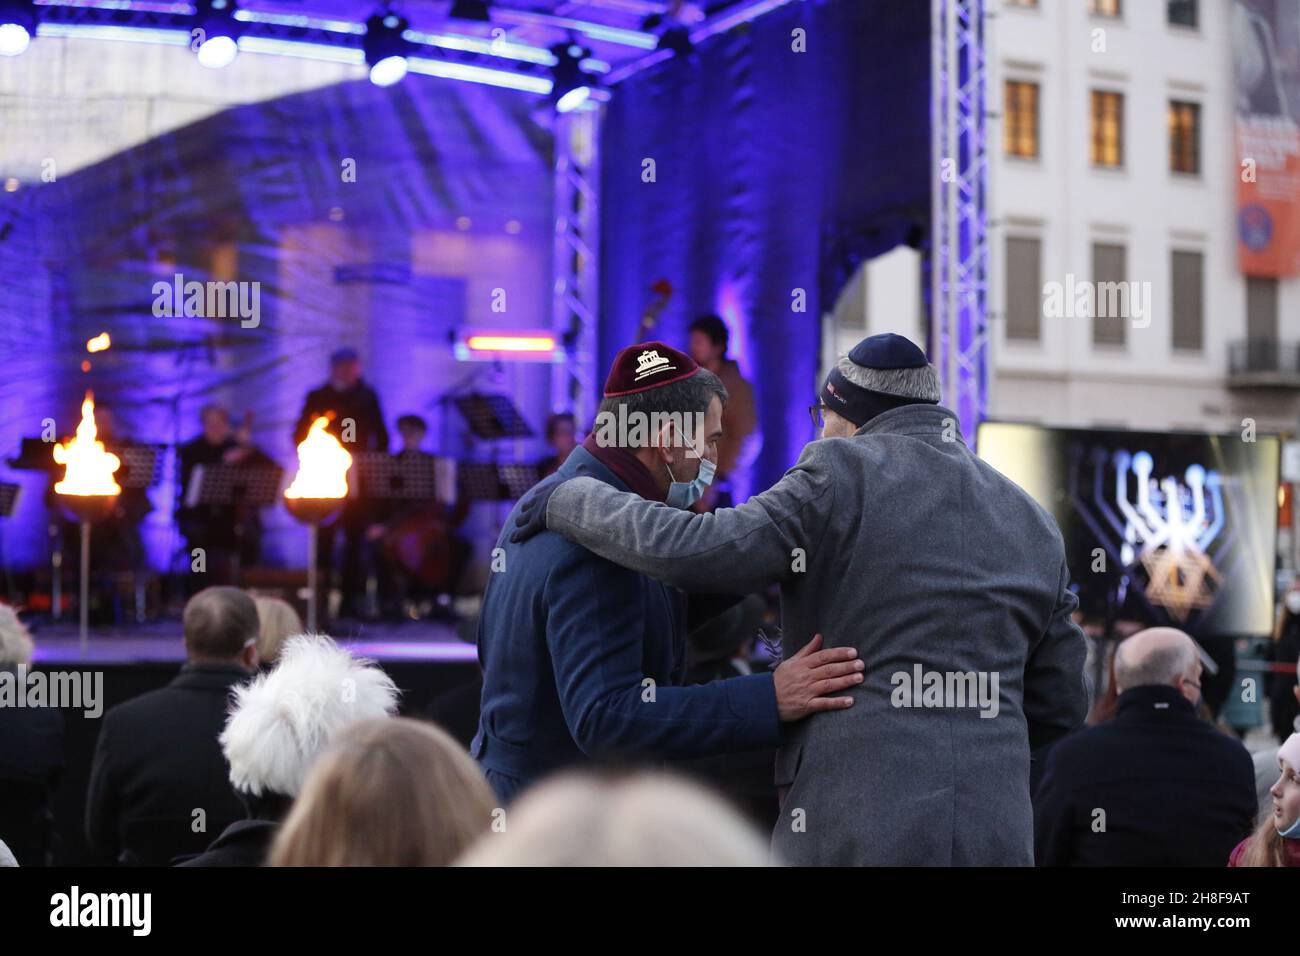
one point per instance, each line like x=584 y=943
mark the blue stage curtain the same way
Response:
x=775 y=171
x=262 y=193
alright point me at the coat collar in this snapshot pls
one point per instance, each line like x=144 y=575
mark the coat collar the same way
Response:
x=1153 y=698
x=917 y=420
x=614 y=466
x=210 y=676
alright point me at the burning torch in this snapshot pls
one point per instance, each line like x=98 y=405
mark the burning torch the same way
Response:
x=316 y=494
x=88 y=491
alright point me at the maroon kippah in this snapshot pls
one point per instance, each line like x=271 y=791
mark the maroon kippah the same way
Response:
x=647 y=365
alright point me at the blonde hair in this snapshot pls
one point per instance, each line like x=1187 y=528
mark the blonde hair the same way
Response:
x=1265 y=846
x=396 y=792
x=277 y=621
x=15 y=641
x=643 y=819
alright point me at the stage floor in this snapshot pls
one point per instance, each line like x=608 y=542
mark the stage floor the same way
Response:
x=159 y=642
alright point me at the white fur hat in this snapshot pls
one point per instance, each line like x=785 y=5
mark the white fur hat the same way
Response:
x=15 y=642
x=283 y=720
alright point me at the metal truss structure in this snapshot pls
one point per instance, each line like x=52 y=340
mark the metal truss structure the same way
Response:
x=960 y=340
x=575 y=264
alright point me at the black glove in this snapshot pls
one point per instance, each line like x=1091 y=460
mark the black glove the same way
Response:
x=531 y=520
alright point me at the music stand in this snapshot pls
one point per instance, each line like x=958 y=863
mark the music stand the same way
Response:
x=142 y=465
x=230 y=484
x=492 y=416
x=34 y=454
x=488 y=481
x=397 y=478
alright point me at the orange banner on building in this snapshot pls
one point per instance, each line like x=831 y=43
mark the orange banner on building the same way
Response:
x=1266 y=60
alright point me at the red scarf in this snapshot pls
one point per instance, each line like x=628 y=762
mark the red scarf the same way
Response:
x=626 y=467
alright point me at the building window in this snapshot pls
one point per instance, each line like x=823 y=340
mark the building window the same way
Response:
x=1107 y=129
x=1104 y=8
x=1020 y=119
x=1261 y=309
x=1024 y=288
x=1183 y=13
x=1110 y=287
x=1188 y=270
x=1184 y=137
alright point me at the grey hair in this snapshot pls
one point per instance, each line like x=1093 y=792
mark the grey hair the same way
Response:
x=690 y=396
x=15 y=642
x=921 y=384
x=1161 y=665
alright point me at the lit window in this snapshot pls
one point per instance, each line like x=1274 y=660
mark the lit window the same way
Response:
x=1020 y=119
x=1184 y=137
x=1107 y=128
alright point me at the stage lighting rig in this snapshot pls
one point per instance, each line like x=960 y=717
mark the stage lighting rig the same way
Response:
x=572 y=86
x=385 y=47
x=217 y=32
x=471 y=10
x=17 y=26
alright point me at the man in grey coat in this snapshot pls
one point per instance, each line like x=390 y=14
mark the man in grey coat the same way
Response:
x=889 y=536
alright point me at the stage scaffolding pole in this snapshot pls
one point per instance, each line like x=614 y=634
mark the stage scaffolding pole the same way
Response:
x=960 y=338
x=575 y=263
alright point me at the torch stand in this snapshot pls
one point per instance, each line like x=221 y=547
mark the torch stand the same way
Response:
x=313 y=512
x=86 y=509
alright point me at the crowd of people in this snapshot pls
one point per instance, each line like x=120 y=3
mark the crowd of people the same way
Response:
x=289 y=749
x=928 y=708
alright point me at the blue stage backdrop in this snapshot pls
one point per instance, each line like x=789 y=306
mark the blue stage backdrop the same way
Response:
x=450 y=201
x=776 y=172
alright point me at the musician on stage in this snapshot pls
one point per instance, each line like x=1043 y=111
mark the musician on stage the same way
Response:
x=709 y=339
x=562 y=437
x=419 y=554
x=226 y=533
x=357 y=421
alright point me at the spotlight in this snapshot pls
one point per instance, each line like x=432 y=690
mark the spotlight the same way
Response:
x=571 y=86
x=17 y=24
x=673 y=33
x=215 y=22
x=385 y=48
x=470 y=10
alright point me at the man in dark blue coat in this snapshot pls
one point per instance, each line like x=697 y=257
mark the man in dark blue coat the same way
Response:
x=582 y=659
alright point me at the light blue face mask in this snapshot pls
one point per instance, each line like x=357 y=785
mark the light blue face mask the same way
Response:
x=683 y=494
x=1292 y=832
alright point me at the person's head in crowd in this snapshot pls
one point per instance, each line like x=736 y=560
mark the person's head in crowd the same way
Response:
x=216 y=424
x=220 y=625
x=387 y=793
x=561 y=433
x=1160 y=656
x=283 y=720
x=642 y=819
x=880 y=373
x=345 y=369
x=277 y=622
x=412 y=429
x=1290 y=610
x=679 y=407
x=15 y=641
x=709 y=338
x=1276 y=842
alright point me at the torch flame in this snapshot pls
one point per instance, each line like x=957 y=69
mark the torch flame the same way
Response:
x=323 y=465
x=99 y=343
x=89 y=467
